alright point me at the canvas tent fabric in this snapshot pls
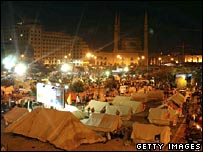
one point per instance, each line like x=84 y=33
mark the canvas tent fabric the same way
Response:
x=125 y=111
x=97 y=105
x=15 y=114
x=148 y=96
x=104 y=122
x=141 y=97
x=162 y=116
x=79 y=114
x=60 y=128
x=178 y=98
x=125 y=101
x=146 y=133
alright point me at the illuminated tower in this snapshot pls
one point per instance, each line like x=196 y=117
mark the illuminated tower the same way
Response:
x=146 y=39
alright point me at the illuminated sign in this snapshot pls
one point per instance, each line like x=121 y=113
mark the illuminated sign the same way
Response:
x=50 y=95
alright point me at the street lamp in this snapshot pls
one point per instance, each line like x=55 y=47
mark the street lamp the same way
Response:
x=126 y=69
x=65 y=67
x=107 y=73
x=160 y=60
x=22 y=56
x=20 y=69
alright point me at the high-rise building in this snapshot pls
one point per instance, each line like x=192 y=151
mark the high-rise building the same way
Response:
x=49 y=47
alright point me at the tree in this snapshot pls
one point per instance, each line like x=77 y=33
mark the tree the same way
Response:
x=77 y=86
x=111 y=83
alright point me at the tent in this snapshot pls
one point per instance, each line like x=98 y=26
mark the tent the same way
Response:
x=97 y=105
x=75 y=111
x=125 y=101
x=176 y=102
x=163 y=115
x=146 y=133
x=125 y=111
x=60 y=128
x=104 y=122
x=177 y=98
x=148 y=96
x=14 y=114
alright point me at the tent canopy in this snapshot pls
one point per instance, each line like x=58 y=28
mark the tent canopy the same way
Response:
x=178 y=98
x=125 y=111
x=147 y=133
x=104 y=122
x=148 y=96
x=97 y=105
x=125 y=101
x=60 y=128
x=15 y=114
x=162 y=116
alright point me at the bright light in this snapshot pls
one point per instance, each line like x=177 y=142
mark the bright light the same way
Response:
x=66 y=86
x=88 y=55
x=143 y=57
x=119 y=57
x=65 y=67
x=22 y=56
x=183 y=76
x=159 y=58
x=9 y=62
x=126 y=69
x=20 y=69
x=107 y=73
x=57 y=84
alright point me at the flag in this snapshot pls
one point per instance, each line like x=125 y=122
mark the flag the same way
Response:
x=69 y=101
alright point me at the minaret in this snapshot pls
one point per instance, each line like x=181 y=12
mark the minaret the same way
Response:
x=116 y=33
x=146 y=39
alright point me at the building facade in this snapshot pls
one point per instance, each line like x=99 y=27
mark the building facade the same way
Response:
x=49 y=47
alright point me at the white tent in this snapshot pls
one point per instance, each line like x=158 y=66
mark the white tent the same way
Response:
x=163 y=115
x=148 y=96
x=60 y=128
x=177 y=98
x=14 y=114
x=104 y=123
x=125 y=112
x=145 y=133
x=125 y=101
x=97 y=105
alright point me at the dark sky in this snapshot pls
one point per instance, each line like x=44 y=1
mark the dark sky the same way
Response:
x=170 y=23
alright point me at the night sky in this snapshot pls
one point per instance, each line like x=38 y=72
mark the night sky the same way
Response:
x=170 y=23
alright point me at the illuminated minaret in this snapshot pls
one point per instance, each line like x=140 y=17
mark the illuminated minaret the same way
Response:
x=146 y=39
x=116 y=33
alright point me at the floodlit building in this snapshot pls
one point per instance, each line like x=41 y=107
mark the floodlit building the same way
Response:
x=49 y=47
